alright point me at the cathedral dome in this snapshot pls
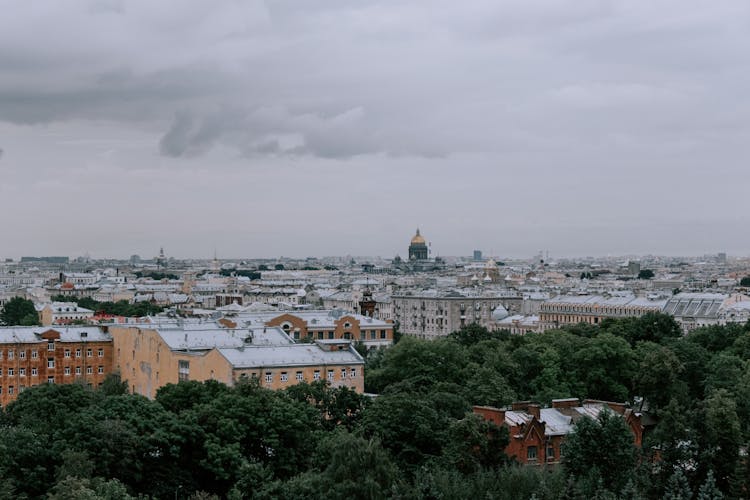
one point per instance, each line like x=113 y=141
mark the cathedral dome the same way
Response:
x=417 y=239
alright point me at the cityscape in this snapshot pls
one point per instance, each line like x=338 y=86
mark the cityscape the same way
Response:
x=278 y=249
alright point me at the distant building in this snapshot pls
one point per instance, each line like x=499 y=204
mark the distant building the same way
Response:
x=477 y=255
x=431 y=314
x=693 y=310
x=63 y=313
x=47 y=260
x=418 y=248
x=592 y=309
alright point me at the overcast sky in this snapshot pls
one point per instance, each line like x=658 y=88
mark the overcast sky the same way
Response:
x=298 y=128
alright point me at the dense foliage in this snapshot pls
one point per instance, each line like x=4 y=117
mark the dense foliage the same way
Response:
x=119 y=308
x=418 y=438
x=19 y=311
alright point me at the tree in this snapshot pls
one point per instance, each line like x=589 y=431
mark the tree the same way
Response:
x=645 y=274
x=601 y=449
x=658 y=378
x=19 y=311
x=721 y=435
x=605 y=368
x=678 y=487
x=745 y=281
x=708 y=490
x=473 y=333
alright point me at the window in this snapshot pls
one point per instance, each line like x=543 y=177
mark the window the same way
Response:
x=89 y=370
x=67 y=370
x=100 y=370
x=34 y=372
x=330 y=375
x=183 y=370
x=78 y=353
x=550 y=453
x=51 y=345
x=22 y=372
x=330 y=335
x=353 y=373
x=67 y=353
x=284 y=377
x=531 y=453
x=22 y=354
x=373 y=334
x=34 y=354
x=78 y=370
x=50 y=380
x=100 y=353
x=316 y=375
x=11 y=353
x=382 y=334
x=343 y=373
x=1 y=372
x=299 y=377
x=269 y=377
x=10 y=389
x=89 y=353
x=10 y=372
x=50 y=362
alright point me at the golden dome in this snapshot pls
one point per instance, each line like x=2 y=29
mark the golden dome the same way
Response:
x=418 y=240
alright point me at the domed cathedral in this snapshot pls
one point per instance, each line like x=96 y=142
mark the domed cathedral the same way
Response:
x=418 y=248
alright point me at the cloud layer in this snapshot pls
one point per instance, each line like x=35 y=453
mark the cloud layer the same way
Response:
x=577 y=98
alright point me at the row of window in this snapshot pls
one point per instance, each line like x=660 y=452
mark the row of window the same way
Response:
x=531 y=453
x=11 y=372
x=50 y=380
x=352 y=373
x=11 y=354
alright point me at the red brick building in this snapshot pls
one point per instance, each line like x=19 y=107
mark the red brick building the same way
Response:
x=536 y=433
x=31 y=356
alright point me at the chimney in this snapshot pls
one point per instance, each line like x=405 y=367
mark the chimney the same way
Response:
x=490 y=413
x=534 y=410
x=565 y=403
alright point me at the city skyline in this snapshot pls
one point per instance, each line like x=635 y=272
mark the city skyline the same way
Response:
x=273 y=128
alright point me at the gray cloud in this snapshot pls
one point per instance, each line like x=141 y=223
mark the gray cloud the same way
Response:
x=454 y=113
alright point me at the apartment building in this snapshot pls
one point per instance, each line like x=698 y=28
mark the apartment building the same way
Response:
x=152 y=356
x=592 y=309
x=31 y=356
x=431 y=314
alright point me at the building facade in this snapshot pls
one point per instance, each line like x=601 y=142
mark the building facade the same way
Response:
x=31 y=356
x=431 y=314
x=150 y=357
x=537 y=434
x=592 y=309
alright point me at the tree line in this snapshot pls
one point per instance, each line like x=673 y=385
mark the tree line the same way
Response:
x=418 y=438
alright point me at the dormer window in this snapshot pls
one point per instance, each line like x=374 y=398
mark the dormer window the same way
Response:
x=51 y=345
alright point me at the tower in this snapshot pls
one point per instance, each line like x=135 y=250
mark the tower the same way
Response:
x=367 y=304
x=418 y=248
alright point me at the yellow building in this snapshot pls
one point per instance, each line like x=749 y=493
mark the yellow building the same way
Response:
x=149 y=357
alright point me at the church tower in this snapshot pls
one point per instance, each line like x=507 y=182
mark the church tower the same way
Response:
x=418 y=248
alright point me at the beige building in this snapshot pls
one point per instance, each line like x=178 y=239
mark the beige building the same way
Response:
x=63 y=313
x=150 y=357
x=592 y=309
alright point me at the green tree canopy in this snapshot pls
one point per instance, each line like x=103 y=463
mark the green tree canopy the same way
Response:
x=19 y=312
